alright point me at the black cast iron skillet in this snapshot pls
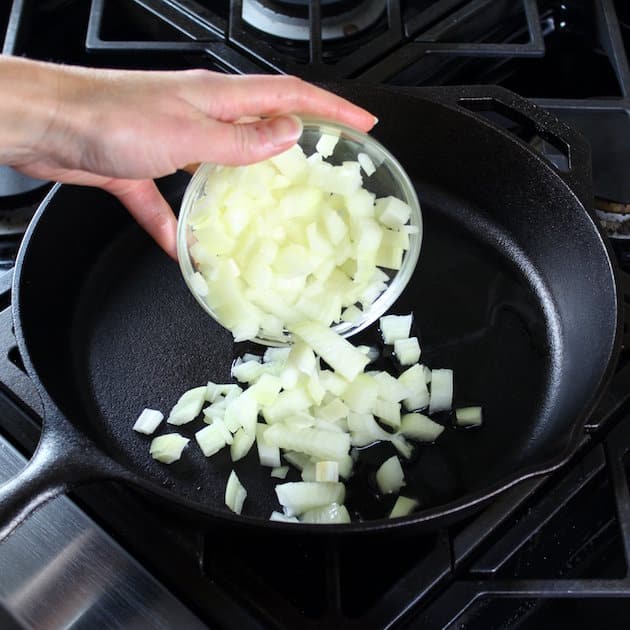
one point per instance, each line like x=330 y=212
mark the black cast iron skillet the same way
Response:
x=515 y=290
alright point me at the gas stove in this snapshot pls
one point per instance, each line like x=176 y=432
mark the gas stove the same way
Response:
x=553 y=550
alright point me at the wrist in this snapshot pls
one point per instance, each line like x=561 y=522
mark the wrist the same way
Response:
x=29 y=108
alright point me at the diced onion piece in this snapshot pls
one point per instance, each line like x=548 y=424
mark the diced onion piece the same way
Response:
x=168 y=448
x=279 y=472
x=366 y=164
x=273 y=355
x=352 y=314
x=326 y=144
x=314 y=442
x=395 y=327
x=427 y=374
x=235 y=493
x=365 y=430
x=243 y=410
x=333 y=411
x=389 y=388
x=291 y=162
x=390 y=476
x=327 y=471
x=288 y=403
x=403 y=507
x=308 y=472
x=392 y=212
x=247 y=371
x=419 y=427
x=302 y=357
x=402 y=446
x=326 y=515
x=241 y=444
x=360 y=395
x=413 y=380
x=388 y=412
x=198 y=284
x=299 y=460
x=188 y=406
x=283 y=518
x=441 y=390
x=148 y=421
x=340 y=354
x=468 y=416
x=370 y=352
x=300 y=496
x=211 y=439
x=268 y=454
x=332 y=382
x=407 y=350
x=266 y=389
x=248 y=356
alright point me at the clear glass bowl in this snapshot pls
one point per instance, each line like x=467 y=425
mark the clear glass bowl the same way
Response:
x=388 y=179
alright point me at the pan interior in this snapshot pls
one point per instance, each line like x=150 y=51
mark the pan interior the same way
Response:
x=513 y=290
x=140 y=340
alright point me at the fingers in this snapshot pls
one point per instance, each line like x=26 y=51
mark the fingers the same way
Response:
x=228 y=98
x=243 y=143
x=145 y=203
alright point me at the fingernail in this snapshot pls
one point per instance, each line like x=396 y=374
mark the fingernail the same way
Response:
x=375 y=120
x=285 y=129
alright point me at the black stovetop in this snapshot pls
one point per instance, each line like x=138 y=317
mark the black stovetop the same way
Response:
x=553 y=550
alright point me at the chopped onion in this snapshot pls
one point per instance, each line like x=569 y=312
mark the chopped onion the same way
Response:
x=188 y=406
x=314 y=442
x=390 y=477
x=326 y=144
x=360 y=395
x=211 y=439
x=388 y=412
x=366 y=164
x=241 y=444
x=299 y=460
x=168 y=448
x=413 y=380
x=235 y=493
x=199 y=284
x=300 y=496
x=327 y=471
x=340 y=354
x=268 y=454
x=407 y=350
x=326 y=515
x=332 y=382
x=403 y=507
x=468 y=416
x=242 y=410
x=395 y=327
x=280 y=472
x=389 y=388
x=333 y=411
x=273 y=355
x=392 y=212
x=419 y=427
x=441 y=390
x=283 y=518
x=148 y=421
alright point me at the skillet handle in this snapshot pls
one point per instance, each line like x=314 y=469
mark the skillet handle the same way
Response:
x=63 y=460
x=571 y=146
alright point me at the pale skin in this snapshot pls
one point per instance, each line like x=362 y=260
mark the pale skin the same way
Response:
x=119 y=130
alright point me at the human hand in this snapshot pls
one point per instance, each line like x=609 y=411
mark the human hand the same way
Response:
x=118 y=130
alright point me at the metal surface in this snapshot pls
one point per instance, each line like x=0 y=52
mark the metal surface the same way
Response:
x=62 y=571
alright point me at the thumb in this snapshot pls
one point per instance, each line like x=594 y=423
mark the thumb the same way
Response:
x=148 y=207
x=235 y=144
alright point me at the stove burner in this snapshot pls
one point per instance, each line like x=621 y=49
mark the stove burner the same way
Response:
x=289 y=19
